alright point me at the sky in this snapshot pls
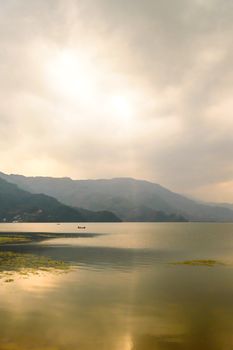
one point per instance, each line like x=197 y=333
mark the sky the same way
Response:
x=113 y=88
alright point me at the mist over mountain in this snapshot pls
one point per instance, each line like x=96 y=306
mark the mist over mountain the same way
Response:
x=224 y=205
x=130 y=199
x=22 y=206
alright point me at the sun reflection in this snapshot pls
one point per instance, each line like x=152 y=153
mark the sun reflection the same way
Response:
x=127 y=342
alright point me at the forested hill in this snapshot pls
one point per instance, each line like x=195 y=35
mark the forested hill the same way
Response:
x=19 y=205
x=130 y=199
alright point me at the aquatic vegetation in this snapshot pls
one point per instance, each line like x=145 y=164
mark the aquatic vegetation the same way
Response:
x=10 y=261
x=13 y=239
x=28 y=264
x=14 y=263
x=9 y=280
x=35 y=237
x=201 y=262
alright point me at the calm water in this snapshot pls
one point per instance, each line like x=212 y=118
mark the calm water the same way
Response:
x=124 y=293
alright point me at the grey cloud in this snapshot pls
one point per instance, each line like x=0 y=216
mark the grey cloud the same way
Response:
x=179 y=53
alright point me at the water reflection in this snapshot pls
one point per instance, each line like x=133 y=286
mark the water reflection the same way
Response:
x=117 y=312
x=124 y=298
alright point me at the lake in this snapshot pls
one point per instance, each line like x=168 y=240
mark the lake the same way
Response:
x=131 y=286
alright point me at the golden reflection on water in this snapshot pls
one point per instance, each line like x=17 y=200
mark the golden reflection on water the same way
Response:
x=80 y=311
x=122 y=304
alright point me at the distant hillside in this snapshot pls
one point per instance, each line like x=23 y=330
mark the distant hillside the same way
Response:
x=20 y=205
x=130 y=199
x=223 y=205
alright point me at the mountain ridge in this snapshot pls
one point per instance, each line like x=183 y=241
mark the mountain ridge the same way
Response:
x=123 y=196
x=22 y=206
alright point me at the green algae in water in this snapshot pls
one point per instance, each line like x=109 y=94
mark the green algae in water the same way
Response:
x=13 y=239
x=23 y=263
x=9 y=280
x=201 y=262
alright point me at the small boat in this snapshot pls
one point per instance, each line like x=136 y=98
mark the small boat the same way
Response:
x=81 y=227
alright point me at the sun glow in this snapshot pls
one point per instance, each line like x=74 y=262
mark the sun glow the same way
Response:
x=71 y=75
x=122 y=106
x=80 y=81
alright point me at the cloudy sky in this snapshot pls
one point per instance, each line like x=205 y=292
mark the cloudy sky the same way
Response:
x=108 y=88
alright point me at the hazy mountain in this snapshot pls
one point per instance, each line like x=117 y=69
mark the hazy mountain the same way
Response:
x=20 y=205
x=223 y=205
x=130 y=199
